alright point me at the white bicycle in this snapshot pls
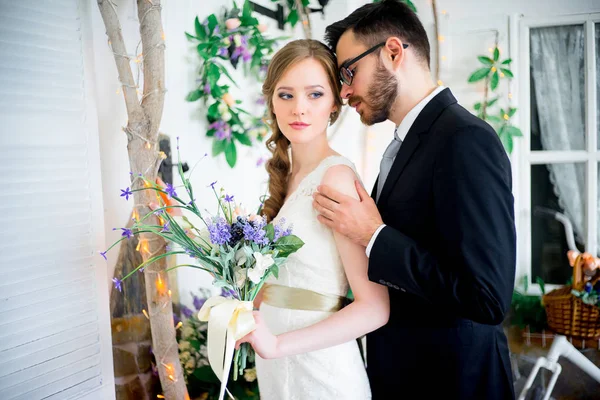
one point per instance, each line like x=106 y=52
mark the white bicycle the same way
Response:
x=561 y=347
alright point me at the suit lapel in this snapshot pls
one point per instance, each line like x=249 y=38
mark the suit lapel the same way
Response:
x=422 y=124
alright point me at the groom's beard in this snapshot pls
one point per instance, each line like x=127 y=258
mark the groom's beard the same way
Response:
x=380 y=97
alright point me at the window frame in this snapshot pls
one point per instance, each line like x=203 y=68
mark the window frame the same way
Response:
x=526 y=158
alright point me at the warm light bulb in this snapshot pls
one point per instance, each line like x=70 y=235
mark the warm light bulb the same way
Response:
x=491 y=50
x=172 y=378
x=443 y=58
x=161 y=287
x=169 y=292
x=501 y=74
x=506 y=117
x=494 y=69
x=441 y=38
x=510 y=95
x=179 y=325
x=444 y=12
x=148 y=145
x=440 y=83
x=145 y=313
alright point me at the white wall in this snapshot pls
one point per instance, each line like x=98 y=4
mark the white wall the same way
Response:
x=466 y=26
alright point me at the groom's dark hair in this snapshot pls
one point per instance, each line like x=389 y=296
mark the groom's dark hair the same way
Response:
x=374 y=23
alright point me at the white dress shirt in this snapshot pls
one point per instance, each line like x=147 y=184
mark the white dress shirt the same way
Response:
x=402 y=131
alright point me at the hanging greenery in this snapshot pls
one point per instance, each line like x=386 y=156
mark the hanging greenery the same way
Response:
x=235 y=39
x=493 y=71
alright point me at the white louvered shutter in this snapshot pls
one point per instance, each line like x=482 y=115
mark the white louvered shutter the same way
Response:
x=54 y=318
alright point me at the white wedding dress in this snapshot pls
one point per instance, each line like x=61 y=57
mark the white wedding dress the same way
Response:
x=332 y=373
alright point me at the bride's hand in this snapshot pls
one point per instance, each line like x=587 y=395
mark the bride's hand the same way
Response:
x=262 y=341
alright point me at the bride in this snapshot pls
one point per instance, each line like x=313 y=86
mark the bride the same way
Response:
x=305 y=340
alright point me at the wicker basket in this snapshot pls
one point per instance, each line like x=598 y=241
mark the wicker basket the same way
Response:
x=567 y=314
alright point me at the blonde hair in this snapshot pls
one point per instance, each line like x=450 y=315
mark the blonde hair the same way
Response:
x=279 y=165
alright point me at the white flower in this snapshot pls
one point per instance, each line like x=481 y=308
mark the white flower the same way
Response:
x=184 y=345
x=237 y=39
x=222 y=108
x=226 y=116
x=185 y=356
x=240 y=257
x=263 y=261
x=187 y=332
x=240 y=276
x=191 y=364
x=262 y=264
x=253 y=133
x=250 y=374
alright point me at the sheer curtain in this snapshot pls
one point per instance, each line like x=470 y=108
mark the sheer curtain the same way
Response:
x=557 y=70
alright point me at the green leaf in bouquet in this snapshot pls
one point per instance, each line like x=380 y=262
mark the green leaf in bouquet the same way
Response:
x=477 y=106
x=213 y=74
x=288 y=245
x=270 y=231
x=507 y=61
x=205 y=374
x=496 y=54
x=218 y=147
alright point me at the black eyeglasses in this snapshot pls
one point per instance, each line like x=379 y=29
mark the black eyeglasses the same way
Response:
x=346 y=75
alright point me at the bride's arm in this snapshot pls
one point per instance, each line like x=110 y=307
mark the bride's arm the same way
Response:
x=369 y=310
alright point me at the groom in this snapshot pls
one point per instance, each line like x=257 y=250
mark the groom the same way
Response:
x=439 y=228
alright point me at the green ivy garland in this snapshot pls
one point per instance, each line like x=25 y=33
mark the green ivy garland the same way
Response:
x=235 y=38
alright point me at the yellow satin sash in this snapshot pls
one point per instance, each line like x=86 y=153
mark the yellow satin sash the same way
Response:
x=300 y=299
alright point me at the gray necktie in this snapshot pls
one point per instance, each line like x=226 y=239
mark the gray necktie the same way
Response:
x=386 y=162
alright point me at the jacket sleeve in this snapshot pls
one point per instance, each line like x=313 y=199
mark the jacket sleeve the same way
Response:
x=473 y=273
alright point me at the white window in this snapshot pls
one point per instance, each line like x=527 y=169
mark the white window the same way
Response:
x=54 y=315
x=558 y=158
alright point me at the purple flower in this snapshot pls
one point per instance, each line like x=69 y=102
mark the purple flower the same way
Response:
x=217 y=30
x=261 y=101
x=165 y=227
x=228 y=293
x=177 y=142
x=212 y=185
x=126 y=232
x=280 y=230
x=117 y=282
x=176 y=319
x=219 y=231
x=170 y=191
x=198 y=302
x=228 y=198
x=222 y=129
x=186 y=311
x=223 y=52
x=254 y=232
x=588 y=287
x=206 y=88
x=126 y=193
x=260 y=161
x=103 y=254
x=246 y=55
x=191 y=201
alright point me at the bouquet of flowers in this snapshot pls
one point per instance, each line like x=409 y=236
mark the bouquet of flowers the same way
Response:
x=239 y=250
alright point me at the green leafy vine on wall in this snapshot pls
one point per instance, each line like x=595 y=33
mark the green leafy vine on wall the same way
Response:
x=234 y=38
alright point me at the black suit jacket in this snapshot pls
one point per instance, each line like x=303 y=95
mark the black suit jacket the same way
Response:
x=447 y=255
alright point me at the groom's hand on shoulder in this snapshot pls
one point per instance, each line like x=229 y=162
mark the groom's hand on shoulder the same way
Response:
x=346 y=209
